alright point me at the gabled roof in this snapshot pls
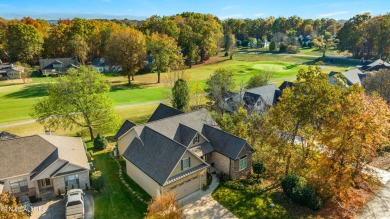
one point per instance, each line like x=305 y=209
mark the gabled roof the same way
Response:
x=127 y=125
x=154 y=154
x=168 y=126
x=352 y=77
x=33 y=154
x=100 y=62
x=70 y=149
x=269 y=93
x=285 y=85
x=225 y=143
x=184 y=134
x=22 y=156
x=7 y=135
x=163 y=111
x=376 y=65
x=66 y=63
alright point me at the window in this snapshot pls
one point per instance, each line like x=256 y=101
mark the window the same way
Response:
x=185 y=163
x=72 y=180
x=243 y=163
x=196 y=139
x=19 y=186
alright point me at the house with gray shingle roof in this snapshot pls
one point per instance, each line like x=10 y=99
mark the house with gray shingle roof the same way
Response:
x=42 y=165
x=57 y=66
x=376 y=66
x=254 y=99
x=350 y=77
x=174 y=151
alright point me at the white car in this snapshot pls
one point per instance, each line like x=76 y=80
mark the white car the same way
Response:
x=75 y=204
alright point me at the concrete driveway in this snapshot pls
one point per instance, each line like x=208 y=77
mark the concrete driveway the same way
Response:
x=379 y=206
x=201 y=205
x=55 y=208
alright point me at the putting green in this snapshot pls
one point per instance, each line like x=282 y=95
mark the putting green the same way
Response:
x=273 y=67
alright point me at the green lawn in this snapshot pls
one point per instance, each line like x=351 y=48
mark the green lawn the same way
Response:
x=116 y=201
x=16 y=100
x=269 y=204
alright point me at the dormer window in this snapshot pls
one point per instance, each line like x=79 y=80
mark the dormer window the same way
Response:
x=196 y=139
x=185 y=163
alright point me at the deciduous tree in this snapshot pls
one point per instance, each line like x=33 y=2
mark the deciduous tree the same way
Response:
x=126 y=47
x=78 y=99
x=9 y=208
x=379 y=82
x=219 y=85
x=164 y=207
x=24 y=43
x=165 y=52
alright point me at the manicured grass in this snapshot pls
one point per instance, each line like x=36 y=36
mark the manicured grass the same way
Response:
x=140 y=191
x=17 y=100
x=116 y=201
x=136 y=114
x=269 y=204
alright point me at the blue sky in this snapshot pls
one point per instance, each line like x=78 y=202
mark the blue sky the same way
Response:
x=54 y=9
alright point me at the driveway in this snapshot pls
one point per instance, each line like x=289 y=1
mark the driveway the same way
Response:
x=201 y=205
x=55 y=208
x=379 y=206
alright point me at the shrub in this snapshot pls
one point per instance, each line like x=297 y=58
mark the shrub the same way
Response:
x=100 y=142
x=282 y=48
x=90 y=155
x=222 y=177
x=272 y=46
x=258 y=168
x=226 y=53
x=235 y=184
x=295 y=188
x=310 y=199
x=293 y=49
x=97 y=180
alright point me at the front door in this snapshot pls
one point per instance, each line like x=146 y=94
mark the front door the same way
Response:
x=44 y=183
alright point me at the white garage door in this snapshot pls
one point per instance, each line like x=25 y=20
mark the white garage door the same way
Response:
x=187 y=187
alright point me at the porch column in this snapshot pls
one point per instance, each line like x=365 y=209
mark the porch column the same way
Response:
x=36 y=186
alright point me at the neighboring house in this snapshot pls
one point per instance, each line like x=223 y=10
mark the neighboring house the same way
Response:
x=352 y=77
x=11 y=72
x=254 y=99
x=57 y=66
x=102 y=65
x=376 y=66
x=42 y=165
x=175 y=151
x=284 y=85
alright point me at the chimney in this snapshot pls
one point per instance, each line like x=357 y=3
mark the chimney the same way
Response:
x=47 y=132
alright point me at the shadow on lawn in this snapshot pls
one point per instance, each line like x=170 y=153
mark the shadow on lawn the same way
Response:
x=29 y=91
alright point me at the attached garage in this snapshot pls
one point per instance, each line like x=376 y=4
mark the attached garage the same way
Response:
x=186 y=186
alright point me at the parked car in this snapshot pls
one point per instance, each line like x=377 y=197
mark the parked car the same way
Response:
x=25 y=201
x=74 y=204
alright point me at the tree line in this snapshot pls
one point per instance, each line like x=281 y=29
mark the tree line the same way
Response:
x=195 y=36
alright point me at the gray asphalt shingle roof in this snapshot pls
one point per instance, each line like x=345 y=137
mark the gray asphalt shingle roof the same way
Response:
x=21 y=156
x=66 y=63
x=33 y=154
x=223 y=142
x=7 y=135
x=127 y=125
x=164 y=111
x=184 y=134
x=154 y=154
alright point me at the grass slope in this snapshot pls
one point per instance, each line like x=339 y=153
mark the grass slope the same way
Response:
x=116 y=201
x=269 y=204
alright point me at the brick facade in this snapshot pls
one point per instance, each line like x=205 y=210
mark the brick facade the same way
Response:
x=235 y=173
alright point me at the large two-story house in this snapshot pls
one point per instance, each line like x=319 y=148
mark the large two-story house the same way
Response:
x=42 y=165
x=174 y=150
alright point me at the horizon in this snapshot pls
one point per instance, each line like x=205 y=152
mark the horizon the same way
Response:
x=140 y=10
